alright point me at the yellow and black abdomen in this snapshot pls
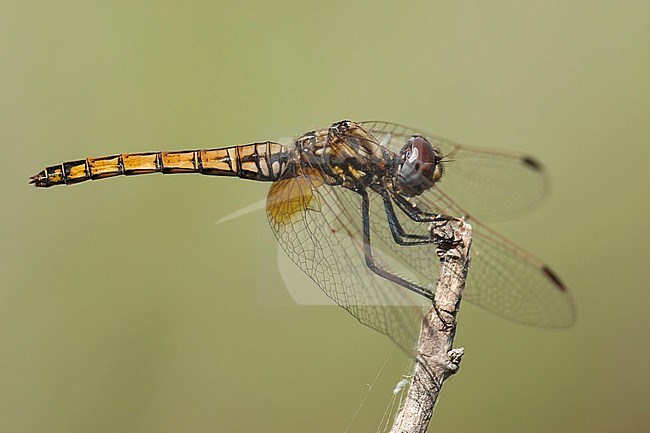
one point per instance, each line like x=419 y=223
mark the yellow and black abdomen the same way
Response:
x=259 y=161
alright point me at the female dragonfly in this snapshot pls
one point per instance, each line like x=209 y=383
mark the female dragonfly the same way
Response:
x=352 y=206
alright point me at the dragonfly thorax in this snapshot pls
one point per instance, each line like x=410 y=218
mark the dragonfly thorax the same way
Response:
x=420 y=168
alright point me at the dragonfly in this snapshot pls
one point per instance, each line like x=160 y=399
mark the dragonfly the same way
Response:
x=352 y=206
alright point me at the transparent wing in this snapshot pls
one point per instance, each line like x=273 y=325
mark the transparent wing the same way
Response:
x=319 y=228
x=508 y=281
x=492 y=184
x=503 y=277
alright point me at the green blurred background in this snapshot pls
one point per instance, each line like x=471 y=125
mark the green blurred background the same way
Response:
x=124 y=308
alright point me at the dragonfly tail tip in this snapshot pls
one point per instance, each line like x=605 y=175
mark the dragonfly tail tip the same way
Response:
x=38 y=180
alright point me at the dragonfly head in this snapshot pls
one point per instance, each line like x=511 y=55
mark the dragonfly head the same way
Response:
x=420 y=166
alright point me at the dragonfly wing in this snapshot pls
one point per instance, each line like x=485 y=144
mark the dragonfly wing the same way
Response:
x=503 y=277
x=494 y=184
x=319 y=228
x=509 y=281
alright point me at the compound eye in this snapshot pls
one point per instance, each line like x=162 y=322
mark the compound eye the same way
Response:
x=421 y=166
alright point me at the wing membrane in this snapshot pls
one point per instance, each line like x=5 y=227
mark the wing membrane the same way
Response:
x=318 y=226
x=508 y=281
x=504 y=278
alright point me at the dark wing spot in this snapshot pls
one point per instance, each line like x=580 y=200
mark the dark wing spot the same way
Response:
x=532 y=163
x=553 y=277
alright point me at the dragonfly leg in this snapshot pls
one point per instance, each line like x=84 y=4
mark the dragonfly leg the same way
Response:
x=417 y=214
x=370 y=262
x=399 y=235
x=440 y=233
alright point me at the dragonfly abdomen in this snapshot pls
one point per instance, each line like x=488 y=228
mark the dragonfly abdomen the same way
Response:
x=259 y=161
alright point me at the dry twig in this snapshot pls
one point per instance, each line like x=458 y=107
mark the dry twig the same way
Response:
x=436 y=360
